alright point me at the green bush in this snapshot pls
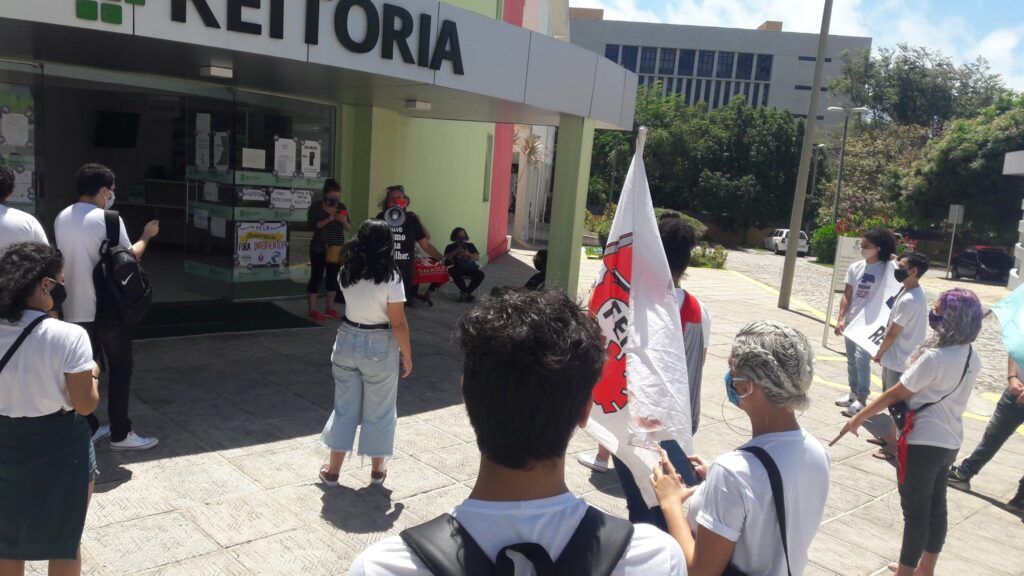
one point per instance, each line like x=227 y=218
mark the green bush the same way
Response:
x=824 y=242
x=708 y=256
x=602 y=225
x=597 y=191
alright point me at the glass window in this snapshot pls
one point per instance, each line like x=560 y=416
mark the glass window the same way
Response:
x=764 y=95
x=668 y=84
x=756 y=96
x=764 y=67
x=689 y=91
x=725 y=60
x=648 y=56
x=639 y=80
x=650 y=81
x=697 y=90
x=707 y=91
x=706 y=63
x=686 y=58
x=718 y=93
x=629 y=58
x=744 y=66
x=611 y=52
x=679 y=85
x=667 y=61
x=746 y=90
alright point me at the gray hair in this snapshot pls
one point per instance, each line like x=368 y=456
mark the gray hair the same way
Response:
x=778 y=358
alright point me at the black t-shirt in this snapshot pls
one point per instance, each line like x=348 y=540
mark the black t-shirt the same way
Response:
x=470 y=247
x=333 y=234
x=406 y=237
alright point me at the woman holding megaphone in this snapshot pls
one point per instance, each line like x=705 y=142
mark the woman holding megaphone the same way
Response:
x=408 y=231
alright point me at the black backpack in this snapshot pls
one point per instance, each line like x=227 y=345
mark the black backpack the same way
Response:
x=447 y=549
x=123 y=290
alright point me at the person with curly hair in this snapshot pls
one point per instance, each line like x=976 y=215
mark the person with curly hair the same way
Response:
x=732 y=520
x=47 y=387
x=366 y=354
x=936 y=389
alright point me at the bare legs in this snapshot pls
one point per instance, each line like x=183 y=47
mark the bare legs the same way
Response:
x=334 y=467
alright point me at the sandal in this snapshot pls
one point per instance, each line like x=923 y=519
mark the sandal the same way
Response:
x=327 y=478
x=877 y=442
x=881 y=454
x=378 y=480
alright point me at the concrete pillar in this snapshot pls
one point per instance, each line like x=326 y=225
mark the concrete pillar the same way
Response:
x=569 y=201
x=366 y=141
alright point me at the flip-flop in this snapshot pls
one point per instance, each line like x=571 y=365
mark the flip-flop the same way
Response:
x=883 y=455
x=877 y=442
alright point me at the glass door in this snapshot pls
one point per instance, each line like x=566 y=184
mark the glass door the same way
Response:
x=20 y=131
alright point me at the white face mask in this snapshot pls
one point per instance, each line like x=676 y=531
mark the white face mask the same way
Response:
x=868 y=253
x=110 y=201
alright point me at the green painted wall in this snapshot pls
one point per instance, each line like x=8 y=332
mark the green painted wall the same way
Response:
x=486 y=7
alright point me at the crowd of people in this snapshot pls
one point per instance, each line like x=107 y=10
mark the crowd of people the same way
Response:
x=754 y=510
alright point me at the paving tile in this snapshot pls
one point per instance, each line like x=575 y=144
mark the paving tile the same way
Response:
x=432 y=504
x=146 y=543
x=215 y=564
x=276 y=468
x=407 y=477
x=125 y=502
x=205 y=481
x=281 y=405
x=242 y=438
x=839 y=557
x=307 y=551
x=240 y=519
x=461 y=462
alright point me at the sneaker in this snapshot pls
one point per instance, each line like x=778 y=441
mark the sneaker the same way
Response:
x=844 y=401
x=466 y=297
x=590 y=460
x=327 y=478
x=1016 y=505
x=332 y=314
x=853 y=409
x=316 y=316
x=133 y=442
x=958 y=479
x=100 y=433
x=378 y=478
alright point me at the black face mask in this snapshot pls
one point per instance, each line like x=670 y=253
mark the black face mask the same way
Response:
x=901 y=275
x=59 y=295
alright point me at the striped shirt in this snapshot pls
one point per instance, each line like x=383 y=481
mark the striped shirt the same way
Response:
x=333 y=234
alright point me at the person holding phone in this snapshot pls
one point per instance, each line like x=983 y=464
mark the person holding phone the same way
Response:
x=329 y=221
x=732 y=521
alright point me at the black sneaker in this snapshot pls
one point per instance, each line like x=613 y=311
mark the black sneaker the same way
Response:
x=958 y=479
x=1016 y=505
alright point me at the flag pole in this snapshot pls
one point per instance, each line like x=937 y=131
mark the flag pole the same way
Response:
x=800 y=196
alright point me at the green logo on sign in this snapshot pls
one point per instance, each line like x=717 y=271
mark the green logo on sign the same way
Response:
x=108 y=11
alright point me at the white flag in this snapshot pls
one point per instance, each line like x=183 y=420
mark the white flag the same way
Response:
x=868 y=328
x=643 y=395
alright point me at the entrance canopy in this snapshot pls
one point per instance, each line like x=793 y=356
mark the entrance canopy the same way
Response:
x=423 y=58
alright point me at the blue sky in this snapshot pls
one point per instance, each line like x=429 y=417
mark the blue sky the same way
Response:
x=962 y=29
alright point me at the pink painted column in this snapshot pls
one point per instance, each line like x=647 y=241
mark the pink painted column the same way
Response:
x=501 y=165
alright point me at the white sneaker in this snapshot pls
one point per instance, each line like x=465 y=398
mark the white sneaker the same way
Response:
x=853 y=409
x=590 y=460
x=100 y=433
x=844 y=401
x=134 y=442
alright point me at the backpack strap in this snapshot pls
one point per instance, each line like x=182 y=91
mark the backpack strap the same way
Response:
x=597 y=545
x=778 y=495
x=113 y=223
x=446 y=548
x=21 y=339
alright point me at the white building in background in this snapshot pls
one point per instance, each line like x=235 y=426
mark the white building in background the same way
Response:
x=767 y=66
x=1014 y=166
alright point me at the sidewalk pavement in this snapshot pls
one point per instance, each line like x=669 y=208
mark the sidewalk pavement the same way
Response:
x=232 y=490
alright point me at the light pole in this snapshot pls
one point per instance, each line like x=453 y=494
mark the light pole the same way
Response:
x=814 y=166
x=847 y=111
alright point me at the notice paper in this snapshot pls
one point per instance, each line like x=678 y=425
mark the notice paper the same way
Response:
x=23 y=192
x=254 y=158
x=280 y=198
x=310 y=159
x=14 y=129
x=221 y=151
x=301 y=199
x=253 y=195
x=202 y=151
x=202 y=123
x=211 y=193
x=284 y=156
x=218 y=227
x=202 y=218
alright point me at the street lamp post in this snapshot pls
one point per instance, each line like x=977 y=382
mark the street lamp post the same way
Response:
x=847 y=111
x=814 y=166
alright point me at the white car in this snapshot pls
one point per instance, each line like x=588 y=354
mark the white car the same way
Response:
x=779 y=240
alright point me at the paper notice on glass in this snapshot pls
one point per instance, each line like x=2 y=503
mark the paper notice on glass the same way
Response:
x=202 y=123
x=280 y=198
x=310 y=159
x=23 y=193
x=218 y=227
x=253 y=195
x=221 y=151
x=202 y=218
x=202 y=151
x=301 y=199
x=14 y=129
x=255 y=158
x=211 y=192
x=284 y=156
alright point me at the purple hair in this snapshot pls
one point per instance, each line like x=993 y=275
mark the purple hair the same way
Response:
x=962 y=316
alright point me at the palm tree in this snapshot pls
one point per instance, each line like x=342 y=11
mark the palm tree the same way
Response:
x=530 y=149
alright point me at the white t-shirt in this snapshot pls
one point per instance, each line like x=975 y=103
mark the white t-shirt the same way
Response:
x=936 y=373
x=549 y=522
x=367 y=303
x=17 y=226
x=79 y=231
x=911 y=312
x=736 y=503
x=33 y=382
x=865 y=280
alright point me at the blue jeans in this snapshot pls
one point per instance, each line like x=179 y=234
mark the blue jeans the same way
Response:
x=858 y=368
x=1005 y=420
x=639 y=513
x=365 y=390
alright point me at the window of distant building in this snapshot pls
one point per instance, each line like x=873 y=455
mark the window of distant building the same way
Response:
x=764 y=67
x=629 y=58
x=707 y=91
x=718 y=93
x=648 y=56
x=686 y=58
x=689 y=92
x=611 y=52
x=725 y=60
x=744 y=66
x=755 y=98
x=764 y=95
x=667 y=61
x=706 y=64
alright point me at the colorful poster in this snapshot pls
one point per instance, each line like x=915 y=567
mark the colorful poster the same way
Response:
x=221 y=151
x=254 y=158
x=310 y=159
x=261 y=244
x=280 y=198
x=202 y=151
x=284 y=156
x=14 y=129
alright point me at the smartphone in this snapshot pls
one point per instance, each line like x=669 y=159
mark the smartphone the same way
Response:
x=681 y=462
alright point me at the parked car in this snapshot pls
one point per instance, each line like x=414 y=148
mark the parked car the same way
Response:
x=982 y=262
x=779 y=240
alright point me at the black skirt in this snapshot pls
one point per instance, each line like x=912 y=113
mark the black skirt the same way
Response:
x=46 y=465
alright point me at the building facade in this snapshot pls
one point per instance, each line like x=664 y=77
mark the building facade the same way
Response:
x=1014 y=166
x=767 y=67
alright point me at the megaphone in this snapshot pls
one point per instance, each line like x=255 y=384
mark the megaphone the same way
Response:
x=394 y=216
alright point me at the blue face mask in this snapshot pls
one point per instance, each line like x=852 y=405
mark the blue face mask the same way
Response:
x=730 y=390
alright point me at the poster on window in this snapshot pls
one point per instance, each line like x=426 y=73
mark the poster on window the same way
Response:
x=23 y=192
x=202 y=151
x=284 y=156
x=261 y=244
x=221 y=151
x=310 y=158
